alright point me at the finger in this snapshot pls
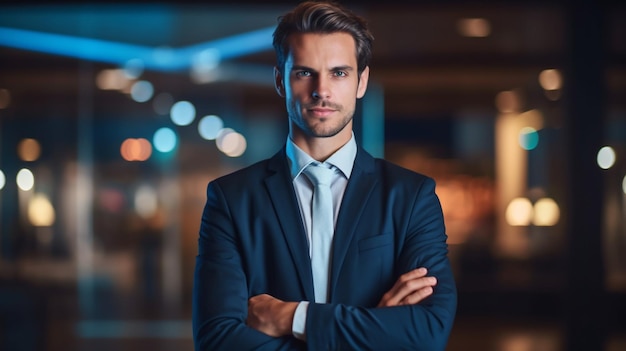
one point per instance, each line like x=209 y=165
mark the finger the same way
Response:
x=398 y=290
x=411 y=286
x=418 y=296
x=415 y=273
x=402 y=289
x=393 y=297
x=406 y=277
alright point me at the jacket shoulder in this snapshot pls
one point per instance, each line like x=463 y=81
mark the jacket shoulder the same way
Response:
x=256 y=173
x=386 y=169
x=396 y=173
x=247 y=175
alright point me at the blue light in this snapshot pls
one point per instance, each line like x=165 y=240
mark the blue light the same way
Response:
x=120 y=53
x=183 y=113
x=82 y=48
x=210 y=126
x=234 y=46
x=133 y=68
x=528 y=138
x=165 y=140
x=142 y=91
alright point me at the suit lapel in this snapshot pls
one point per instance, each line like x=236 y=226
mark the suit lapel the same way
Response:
x=360 y=186
x=280 y=190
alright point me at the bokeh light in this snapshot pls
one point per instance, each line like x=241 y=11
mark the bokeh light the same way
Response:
x=519 y=212
x=133 y=68
x=606 y=157
x=220 y=137
x=5 y=98
x=550 y=79
x=141 y=91
x=136 y=149
x=204 y=64
x=623 y=185
x=546 y=212
x=40 y=211
x=231 y=143
x=183 y=113
x=28 y=149
x=210 y=126
x=146 y=201
x=474 y=27
x=164 y=139
x=3 y=180
x=112 y=79
x=25 y=179
x=162 y=103
x=528 y=138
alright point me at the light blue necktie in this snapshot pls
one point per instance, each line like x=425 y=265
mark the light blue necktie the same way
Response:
x=322 y=228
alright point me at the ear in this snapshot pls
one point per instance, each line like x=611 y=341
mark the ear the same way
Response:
x=278 y=82
x=363 y=78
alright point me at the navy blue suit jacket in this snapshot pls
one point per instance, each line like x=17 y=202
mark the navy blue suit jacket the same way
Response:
x=252 y=241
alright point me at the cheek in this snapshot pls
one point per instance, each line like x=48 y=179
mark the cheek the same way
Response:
x=289 y=92
x=298 y=91
x=350 y=93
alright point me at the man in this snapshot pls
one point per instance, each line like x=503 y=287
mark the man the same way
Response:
x=264 y=279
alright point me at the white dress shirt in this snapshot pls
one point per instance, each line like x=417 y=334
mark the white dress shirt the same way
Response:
x=341 y=162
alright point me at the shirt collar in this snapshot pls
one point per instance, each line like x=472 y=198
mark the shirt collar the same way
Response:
x=342 y=159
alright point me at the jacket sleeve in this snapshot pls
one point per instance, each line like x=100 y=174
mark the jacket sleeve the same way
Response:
x=220 y=293
x=424 y=326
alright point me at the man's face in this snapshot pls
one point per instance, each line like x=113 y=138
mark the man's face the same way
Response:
x=321 y=84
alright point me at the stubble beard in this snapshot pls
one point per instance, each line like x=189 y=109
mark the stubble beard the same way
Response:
x=320 y=129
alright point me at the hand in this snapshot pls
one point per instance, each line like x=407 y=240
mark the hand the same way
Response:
x=409 y=289
x=270 y=315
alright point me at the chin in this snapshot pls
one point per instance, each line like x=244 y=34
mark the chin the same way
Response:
x=326 y=133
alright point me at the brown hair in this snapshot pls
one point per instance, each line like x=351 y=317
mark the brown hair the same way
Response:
x=323 y=17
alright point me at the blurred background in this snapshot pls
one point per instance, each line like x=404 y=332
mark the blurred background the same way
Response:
x=114 y=117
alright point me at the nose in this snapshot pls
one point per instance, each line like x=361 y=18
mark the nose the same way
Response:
x=322 y=90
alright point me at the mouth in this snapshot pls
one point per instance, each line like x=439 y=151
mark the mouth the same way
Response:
x=321 y=111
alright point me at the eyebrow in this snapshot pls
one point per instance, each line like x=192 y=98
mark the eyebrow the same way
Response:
x=333 y=69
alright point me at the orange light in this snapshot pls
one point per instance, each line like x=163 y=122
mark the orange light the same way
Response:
x=550 y=79
x=474 y=27
x=29 y=149
x=136 y=149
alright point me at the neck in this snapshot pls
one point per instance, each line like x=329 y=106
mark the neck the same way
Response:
x=321 y=149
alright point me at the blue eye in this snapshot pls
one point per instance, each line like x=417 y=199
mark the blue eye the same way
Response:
x=303 y=74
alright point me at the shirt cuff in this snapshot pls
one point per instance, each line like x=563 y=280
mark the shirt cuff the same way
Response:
x=298 y=328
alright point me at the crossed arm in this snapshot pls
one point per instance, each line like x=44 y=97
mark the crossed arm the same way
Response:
x=274 y=317
x=417 y=310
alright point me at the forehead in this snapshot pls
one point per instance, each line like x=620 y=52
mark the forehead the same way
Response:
x=338 y=49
